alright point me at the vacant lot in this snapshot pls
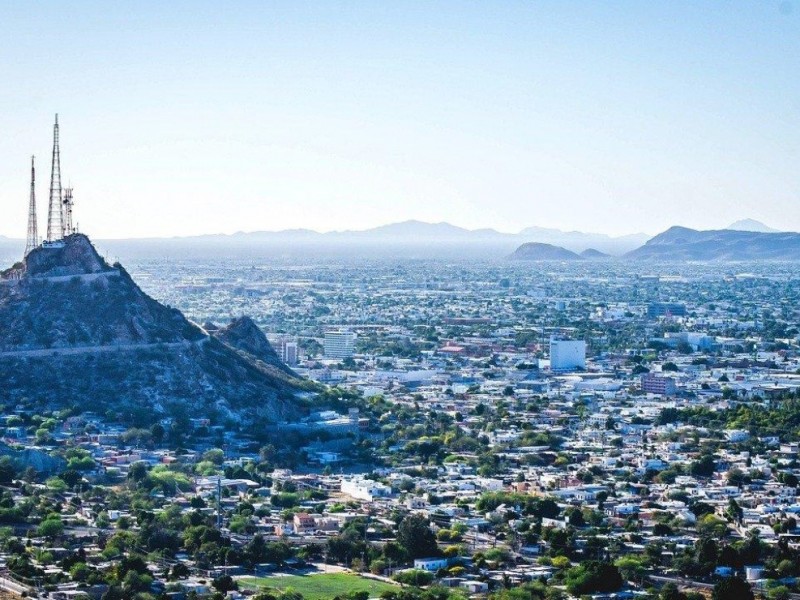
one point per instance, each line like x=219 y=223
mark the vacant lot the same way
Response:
x=321 y=586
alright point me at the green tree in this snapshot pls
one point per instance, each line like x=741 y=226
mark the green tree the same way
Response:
x=592 y=577
x=732 y=588
x=416 y=537
x=50 y=528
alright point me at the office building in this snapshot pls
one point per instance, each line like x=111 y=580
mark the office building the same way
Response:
x=339 y=344
x=566 y=354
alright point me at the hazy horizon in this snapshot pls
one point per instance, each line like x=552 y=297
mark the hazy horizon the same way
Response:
x=518 y=232
x=193 y=119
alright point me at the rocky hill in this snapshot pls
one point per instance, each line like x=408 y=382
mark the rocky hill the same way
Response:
x=244 y=335
x=536 y=251
x=593 y=254
x=682 y=243
x=78 y=332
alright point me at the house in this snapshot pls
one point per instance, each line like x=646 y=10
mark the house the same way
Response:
x=365 y=489
x=430 y=564
x=475 y=587
x=303 y=523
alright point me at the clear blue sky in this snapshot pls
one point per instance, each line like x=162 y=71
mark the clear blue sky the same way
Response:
x=616 y=116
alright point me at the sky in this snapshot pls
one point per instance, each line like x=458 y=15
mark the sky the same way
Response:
x=185 y=118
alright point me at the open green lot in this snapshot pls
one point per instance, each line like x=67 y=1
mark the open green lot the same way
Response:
x=323 y=586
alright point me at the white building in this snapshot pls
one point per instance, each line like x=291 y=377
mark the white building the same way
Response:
x=365 y=489
x=430 y=564
x=567 y=355
x=339 y=344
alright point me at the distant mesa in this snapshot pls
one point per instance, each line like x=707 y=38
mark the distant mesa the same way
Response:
x=536 y=251
x=682 y=243
x=592 y=254
x=751 y=225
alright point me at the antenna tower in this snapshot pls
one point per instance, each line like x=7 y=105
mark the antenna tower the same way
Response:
x=55 y=213
x=33 y=231
x=68 y=202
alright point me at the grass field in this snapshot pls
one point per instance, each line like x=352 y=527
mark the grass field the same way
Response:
x=323 y=586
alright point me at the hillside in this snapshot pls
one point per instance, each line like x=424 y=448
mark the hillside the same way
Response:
x=681 y=243
x=77 y=332
x=536 y=251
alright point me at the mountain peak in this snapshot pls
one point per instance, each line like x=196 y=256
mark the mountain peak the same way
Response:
x=75 y=255
x=751 y=225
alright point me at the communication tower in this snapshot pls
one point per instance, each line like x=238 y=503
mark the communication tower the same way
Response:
x=55 y=213
x=68 y=203
x=33 y=230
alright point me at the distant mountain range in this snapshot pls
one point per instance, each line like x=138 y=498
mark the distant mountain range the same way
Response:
x=408 y=238
x=418 y=234
x=682 y=243
x=740 y=241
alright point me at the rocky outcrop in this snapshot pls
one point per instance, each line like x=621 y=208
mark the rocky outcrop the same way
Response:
x=243 y=334
x=75 y=256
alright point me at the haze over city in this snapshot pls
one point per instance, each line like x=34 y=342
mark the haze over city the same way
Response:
x=198 y=118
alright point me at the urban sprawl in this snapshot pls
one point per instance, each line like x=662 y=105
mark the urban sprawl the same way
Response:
x=538 y=430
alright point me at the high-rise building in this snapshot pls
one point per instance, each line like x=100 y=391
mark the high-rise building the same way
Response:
x=289 y=352
x=566 y=354
x=285 y=346
x=339 y=344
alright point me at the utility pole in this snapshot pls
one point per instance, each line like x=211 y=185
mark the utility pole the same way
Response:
x=33 y=230
x=219 y=503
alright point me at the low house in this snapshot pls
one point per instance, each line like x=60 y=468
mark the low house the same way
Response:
x=475 y=587
x=430 y=564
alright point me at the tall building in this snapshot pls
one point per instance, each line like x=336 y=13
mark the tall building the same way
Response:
x=290 y=353
x=653 y=383
x=286 y=347
x=339 y=344
x=566 y=354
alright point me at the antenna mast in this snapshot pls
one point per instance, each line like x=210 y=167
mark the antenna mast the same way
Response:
x=55 y=214
x=33 y=231
x=68 y=202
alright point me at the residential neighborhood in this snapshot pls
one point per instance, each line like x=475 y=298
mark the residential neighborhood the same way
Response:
x=442 y=453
